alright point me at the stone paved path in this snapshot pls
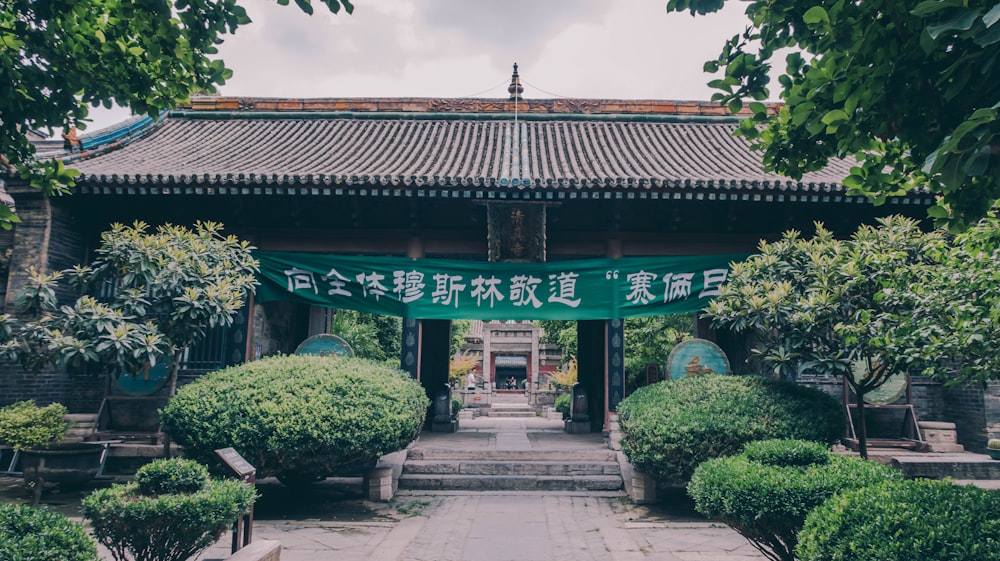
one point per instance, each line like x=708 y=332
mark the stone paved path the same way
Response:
x=507 y=526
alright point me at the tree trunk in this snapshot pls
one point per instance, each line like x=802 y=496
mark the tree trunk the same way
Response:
x=173 y=369
x=862 y=429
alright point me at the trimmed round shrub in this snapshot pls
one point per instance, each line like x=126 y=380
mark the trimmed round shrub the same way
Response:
x=160 y=477
x=562 y=404
x=670 y=427
x=299 y=418
x=787 y=452
x=33 y=534
x=767 y=502
x=25 y=426
x=916 y=520
x=166 y=527
x=456 y=406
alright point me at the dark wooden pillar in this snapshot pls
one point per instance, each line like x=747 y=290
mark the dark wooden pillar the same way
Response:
x=592 y=367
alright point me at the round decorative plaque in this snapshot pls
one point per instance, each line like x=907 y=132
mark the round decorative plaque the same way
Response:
x=324 y=344
x=890 y=390
x=696 y=357
x=146 y=382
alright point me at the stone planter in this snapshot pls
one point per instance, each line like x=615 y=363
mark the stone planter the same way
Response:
x=70 y=463
x=994 y=453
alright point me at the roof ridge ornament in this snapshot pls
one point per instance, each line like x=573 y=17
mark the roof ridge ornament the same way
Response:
x=515 y=89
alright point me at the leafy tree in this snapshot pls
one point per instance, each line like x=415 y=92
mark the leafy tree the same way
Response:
x=907 y=88
x=649 y=340
x=952 y=319
x=148 y=295
x=560 y=332
x=823 y=305
x=60 y=56
x=371 y=336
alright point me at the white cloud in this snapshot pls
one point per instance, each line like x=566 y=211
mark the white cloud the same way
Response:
x=629 y=49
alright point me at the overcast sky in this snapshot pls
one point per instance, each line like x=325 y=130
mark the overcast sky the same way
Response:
x=623 y=49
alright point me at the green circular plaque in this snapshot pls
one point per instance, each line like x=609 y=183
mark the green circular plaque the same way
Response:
x=146 y=382
x=696 y=357
x=889 y=392
x=324 y=344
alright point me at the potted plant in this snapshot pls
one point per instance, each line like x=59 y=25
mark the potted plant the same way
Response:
x=993 y=448
x=35 y=433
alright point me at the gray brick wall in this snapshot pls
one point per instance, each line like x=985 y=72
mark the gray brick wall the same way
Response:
x=48 y=239
x=964 y=405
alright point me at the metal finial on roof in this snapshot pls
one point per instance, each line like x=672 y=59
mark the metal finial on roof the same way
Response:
x=515 y=89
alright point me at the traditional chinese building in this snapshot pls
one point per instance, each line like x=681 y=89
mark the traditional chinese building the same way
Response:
x=468 y=182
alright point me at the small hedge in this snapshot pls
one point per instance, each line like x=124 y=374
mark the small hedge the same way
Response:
x=562 y=404
x=766 y=492
x=300 y=418
x=916 y=520
x=164 y=526
x=162 y=477
x=32 y=534
x=670 y=427
x=24 y=425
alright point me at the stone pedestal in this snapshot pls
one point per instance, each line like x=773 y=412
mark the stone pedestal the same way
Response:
x=445 y=426
x=378 y=484
x=643 y=489
x=576 y=427
x=614 y=433
x=942 y=437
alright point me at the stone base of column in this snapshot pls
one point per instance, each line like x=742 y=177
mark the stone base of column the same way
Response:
x=576 y=427
x=378 y=483
x=449 y=426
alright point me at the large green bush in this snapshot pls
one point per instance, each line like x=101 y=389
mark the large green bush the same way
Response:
x=916 y=520
x=299 y=417
x=670 y=427
x=164 y=526
x=766 y=492
x=33 y=534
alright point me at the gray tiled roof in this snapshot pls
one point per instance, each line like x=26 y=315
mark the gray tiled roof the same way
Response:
x=548 y=152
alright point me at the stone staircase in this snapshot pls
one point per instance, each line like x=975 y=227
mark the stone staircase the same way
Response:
x=511 y=470
x=510 y=410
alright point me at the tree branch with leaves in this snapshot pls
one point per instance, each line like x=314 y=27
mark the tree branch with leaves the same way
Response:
x=148 y=296
x=911 y=90
x=57 y=57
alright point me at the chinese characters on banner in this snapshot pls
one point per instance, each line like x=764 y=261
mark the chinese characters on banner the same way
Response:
x=453 y=289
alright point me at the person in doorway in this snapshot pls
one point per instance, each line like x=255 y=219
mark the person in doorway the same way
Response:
x=471 y=383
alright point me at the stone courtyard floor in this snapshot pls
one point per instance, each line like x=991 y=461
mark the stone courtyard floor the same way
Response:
x=331 y=522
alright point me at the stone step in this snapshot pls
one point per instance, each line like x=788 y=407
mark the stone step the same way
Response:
x=429 y=482
x=956 y=466
x=565 y=456
x=490 y=468
x=495 y=413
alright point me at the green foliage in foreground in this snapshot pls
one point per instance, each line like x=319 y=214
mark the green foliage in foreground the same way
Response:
x=299 y=417
x=33 y=534
x=165 y=526
x=766 y=492
x=671 y=427
x=916 y=520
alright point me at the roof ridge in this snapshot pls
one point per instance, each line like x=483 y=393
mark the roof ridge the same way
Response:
x=463 y=105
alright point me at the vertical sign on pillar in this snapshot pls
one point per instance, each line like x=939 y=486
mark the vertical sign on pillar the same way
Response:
x=616 y=362
x=409 y=360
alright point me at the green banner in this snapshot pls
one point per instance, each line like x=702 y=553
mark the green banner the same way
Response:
x=455 y=289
